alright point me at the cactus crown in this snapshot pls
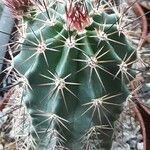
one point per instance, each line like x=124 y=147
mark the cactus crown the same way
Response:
x=77 y=16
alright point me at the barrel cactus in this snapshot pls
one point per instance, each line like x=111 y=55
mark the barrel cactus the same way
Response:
x=74 y=64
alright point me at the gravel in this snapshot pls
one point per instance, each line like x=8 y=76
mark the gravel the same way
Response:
x=127 y=133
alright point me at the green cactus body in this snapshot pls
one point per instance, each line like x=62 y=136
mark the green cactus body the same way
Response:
x=77 y=69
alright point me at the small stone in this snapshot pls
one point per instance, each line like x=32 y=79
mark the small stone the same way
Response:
x=137 y=129
x=120 y=146
x=1 y=147
x=11 y=146
x=132 y=142
x=140 y=137
x=140 y=146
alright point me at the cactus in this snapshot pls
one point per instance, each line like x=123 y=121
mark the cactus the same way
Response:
x=75 y=63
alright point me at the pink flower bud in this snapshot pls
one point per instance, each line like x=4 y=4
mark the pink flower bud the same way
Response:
x=77 y=15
